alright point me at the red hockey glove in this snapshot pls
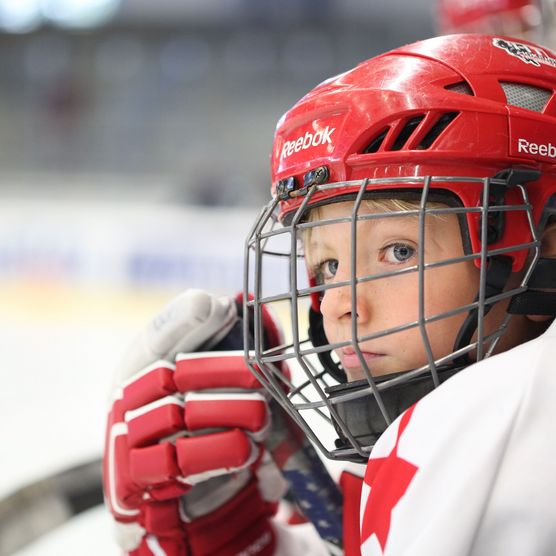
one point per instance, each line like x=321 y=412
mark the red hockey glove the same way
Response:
x=183 y=457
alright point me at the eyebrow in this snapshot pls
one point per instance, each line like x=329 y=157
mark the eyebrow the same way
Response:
x=408 y=220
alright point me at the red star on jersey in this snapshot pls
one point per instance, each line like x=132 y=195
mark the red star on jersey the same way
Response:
x=388 y=478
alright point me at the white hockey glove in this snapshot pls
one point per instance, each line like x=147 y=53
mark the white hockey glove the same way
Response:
x=183 y=454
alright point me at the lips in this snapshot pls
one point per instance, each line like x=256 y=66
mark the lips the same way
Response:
x=350 y=359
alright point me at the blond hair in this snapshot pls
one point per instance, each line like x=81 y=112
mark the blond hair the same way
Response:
x=374 y=205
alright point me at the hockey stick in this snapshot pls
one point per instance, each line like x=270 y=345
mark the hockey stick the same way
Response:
x=311 y=486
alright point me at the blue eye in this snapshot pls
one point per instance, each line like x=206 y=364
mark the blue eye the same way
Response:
x=326 y=271
x=332 y=267
x=398 y=253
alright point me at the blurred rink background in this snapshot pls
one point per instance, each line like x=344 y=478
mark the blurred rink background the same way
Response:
x=134 y=145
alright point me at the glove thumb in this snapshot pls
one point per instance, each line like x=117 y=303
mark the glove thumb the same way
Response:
x=195 y=320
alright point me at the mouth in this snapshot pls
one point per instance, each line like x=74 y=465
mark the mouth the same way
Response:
x=350 y=358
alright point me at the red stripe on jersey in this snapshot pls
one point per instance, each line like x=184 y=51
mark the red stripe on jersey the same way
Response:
x=388 y=479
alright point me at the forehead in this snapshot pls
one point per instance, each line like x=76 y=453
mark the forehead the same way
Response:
x=376 y=206
x=334 y=220
x=440 y=227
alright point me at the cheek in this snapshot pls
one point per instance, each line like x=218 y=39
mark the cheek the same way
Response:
x=398 y=299
x=447 y=289
x=451 y=287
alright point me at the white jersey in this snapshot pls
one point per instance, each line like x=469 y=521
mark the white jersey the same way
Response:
x=470 y=470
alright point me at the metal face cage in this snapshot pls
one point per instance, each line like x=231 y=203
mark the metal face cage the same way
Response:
x=344 y=419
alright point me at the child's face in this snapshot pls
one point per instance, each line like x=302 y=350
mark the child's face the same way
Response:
x=384 y=245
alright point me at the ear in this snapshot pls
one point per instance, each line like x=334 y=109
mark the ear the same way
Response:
x=548 y=251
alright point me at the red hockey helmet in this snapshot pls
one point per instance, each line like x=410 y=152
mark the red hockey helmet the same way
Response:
x=450 y=106
x=468 y=120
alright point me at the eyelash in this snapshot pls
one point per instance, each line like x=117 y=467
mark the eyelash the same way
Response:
x=399 y=244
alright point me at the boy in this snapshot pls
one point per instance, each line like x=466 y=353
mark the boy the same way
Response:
x=420 y=188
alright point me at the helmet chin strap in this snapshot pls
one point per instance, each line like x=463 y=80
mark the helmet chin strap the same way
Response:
x=361 y=413
x=540 y=297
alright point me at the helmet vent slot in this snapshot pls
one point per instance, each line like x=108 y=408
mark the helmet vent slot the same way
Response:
x=462 y=87
x=406 y=132
x=375 y=144
x=526 y=96
x=434 y=132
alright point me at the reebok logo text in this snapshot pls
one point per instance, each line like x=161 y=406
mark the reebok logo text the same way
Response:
x=524 y=146
x=308 y=140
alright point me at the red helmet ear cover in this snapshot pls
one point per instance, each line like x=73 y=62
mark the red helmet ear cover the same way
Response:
x=315 y=296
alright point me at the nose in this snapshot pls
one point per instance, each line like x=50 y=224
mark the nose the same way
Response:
x=337 y=305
